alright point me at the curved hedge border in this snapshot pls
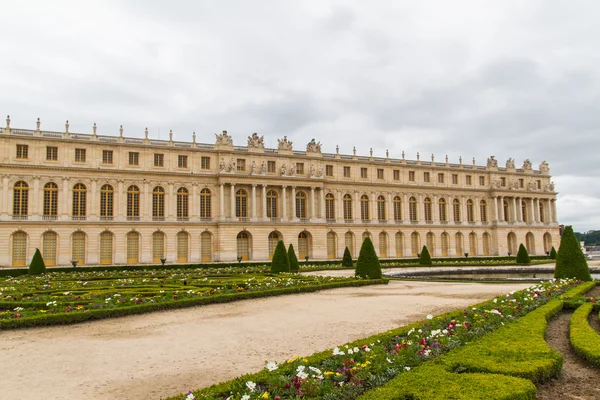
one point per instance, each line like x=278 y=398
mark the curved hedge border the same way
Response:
x=584 y=339
x=72 y=318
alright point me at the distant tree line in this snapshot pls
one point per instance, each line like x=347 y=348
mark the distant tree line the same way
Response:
x=591 y=238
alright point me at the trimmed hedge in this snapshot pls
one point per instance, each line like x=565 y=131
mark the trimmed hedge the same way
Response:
x=347 y=259
x=280 y=262
x=37 y=266
x=294 y=265
x=425 y=258
x=584 y=339
x=553 y=253
x=368 y=265
x=523 y=256
x=72 y=318
x=570 y=261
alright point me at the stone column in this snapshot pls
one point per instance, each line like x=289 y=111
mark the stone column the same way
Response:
x=253 y=202
x=495 y=202
x=514 y=209
x=92 y=212
x=293 y=217
x=311 y=211
x=65 y=200
x=553 y=207
x=264 y=202
x=532 y=214
x=35 y=200
x=537 y=210
x=194 y=206
x=501 y=209
x=221 y=201
x=283 y=204
x=339 y=207
x=322 y=216
x=232 y=193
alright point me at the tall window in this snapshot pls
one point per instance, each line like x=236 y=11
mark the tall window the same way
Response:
x=483 y=210
x=22 y=151
x=430 y=242
x=456 y=210
x=329 y=206
x=205 y=247
x=364 y=207
x=442 y=207
x=205 y=197
x=158 y=203
x=300 y=168
x=505 y=209
x=455 y=179
x=399 y=239
x=468 y=179
x=80 y=155
x=243 y=246
x=106 y=202
x=331 y=245
x=381 y=208
x=273 y=240
x=349 y=242
x=51 y=153
x=459 y=244
x=329 y=170
x=183 y=244
x=272 y=204
x=397 y=209
x=411 y=176
x=347 y=200
x=415 y=244
x=383 y=244
x=271 y=167
x=346 y=172
x=486 y=244
x=182 y=161
x=107 y=156
x=159 y=160
x=482 y=181
x=363 y=173
x=49 y=240
x=133 y=248
x=79 y=201
x=19 y=249
x=78 y=247
x=426 y=177
x=20 y=200
x=542 y=218
x=445 y=244
x=396 y=174
x=427 y=204
x=133 y=203
x=241 y=203
x=134 y=158
x=300 y=205
x=472 y=244
x=106 y=248
x=303 y=245
x=205 y=162
x=50 y=201
x=158 y=246
x=183 y=196
x=440 y=178
x=412 y=209
x=470 y=211
x=380 y=173
x=241 y=164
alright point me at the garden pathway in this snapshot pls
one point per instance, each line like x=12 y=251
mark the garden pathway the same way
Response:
x=164 y=353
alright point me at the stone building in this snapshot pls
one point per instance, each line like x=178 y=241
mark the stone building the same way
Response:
x=99 y=199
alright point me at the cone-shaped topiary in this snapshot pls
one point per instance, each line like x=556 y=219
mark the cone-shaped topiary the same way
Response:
x=347 y=260
x=523 y=256
x=37 y=265
x=425 y=258
x=570 y=261
x=280 y=262
x=368 y=265
x=553 y=253
x=294 y=265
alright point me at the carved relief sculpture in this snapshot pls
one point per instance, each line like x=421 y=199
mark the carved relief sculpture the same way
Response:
x=293 y=170
x=222 y=165
x=284 y=144
x=231 y=165
x=263 y=168
x=255 y=141
x=224 y=139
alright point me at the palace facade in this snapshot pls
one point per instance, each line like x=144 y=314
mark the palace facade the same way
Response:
x=98 y=199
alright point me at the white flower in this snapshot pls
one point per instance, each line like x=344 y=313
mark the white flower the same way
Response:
x=407 y=368
x=350 y=351
x=251 y=386
x=245 y=397
x=18 y=309
x=429 y=316
x=190 y=396
x=388 y=360
x=302 y=375
x=67 y=293
x=337 y=352
x=356 y=349
x=272 y=366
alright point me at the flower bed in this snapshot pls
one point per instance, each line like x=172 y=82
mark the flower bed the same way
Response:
x=61 y=298
x=353 y=369
x=584 y=339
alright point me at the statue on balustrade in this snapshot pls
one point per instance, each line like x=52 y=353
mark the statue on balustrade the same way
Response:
x=492 y=162
x=222 y=165
x=263 y=168
x=231 y=167
x=256 y=141
x=253 y=168
x=313 y=146
x=510 y=163
x=527 y=164
x=224 y=139
x=284 y=144
x=544 y=167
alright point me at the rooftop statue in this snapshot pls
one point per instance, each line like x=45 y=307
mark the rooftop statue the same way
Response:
x=224 y=139
x=256 y=141
x=313 y=146
x=284 y=144
x=544 y=167
x=492 y=162
x=510 y=163
x=527 y=164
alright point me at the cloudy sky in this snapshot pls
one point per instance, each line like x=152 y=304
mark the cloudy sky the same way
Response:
x=475 y=78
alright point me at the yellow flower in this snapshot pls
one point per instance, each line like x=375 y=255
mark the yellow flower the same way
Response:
x=265 y=395
x=305 y=360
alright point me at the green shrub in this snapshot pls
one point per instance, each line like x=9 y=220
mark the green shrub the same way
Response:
x=280 y=262
x=570 y=261
x=584 y=339
x=367 y=265
x=37 y=266
x=294 y=265
x=425 y=258
x=523 y=256
x=553 y=253
x=347 y=259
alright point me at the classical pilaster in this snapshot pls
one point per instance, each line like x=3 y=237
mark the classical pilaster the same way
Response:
x=495 y=202
x=35 y=201
x=311 y=210
x=514 y=210
x=405 y=209
x=356 y=204
x=553 y=208
x=335 y=209
x=501 y=217
x=532 y=213
x=253 y=216
x=221 y=201
x=294 y=215
x=93 y=211
x=284 y=203
x=64 y=204
x=264 y=202
x=232 y=193
x=537 y=210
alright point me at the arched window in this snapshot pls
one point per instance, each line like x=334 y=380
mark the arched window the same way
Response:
x=272 y=204
x=512 y=243
x=19 y=249
x=347 y=200
x=158 y=246
x=273 y=240
x=205 y=247
x=486 y=244
x=106 y=248
x=459 y=244
x=364 y=208
x=329 y=207
x=473 y=244
x=397 y=209
x=158 y=204
x=542 y=216
x=415 y=244
x=331 y=245
x=483 y=210
x=79 y=200
x=183 y=196
x=365 y=235
x=303 y=245
x=430 y=243
x=442 y=207
x=547 y=243
x=412 y=209
x=183 y=244
x=530 y=243
x=383 y=244
x=106 y=204
x=133 y=248
x=205 y=204
x=300 y=205
x=49 y=242
x=381 y=208
x=456 y=210
x=445 y=244
x=133 y=204
x=78 y=247
x=470 y=213
x=427 y=204
x=241 y=204
x=349 y=242
x=399 y=244
x=50 y=202
x=243 y=245
x=20 y=200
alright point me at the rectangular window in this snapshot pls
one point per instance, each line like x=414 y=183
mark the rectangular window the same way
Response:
x=482 y=181
x=380 y=173
x=51 y=153
x=134 y=158
x=346 y=172
x=539 y=184
x=440 y=178
x=455 y=179
x=182 y=161
x=159 y=160
x=468 y=179
x=79 y=155
x=363 y=173
x=521 y=183
x=205 y=163
x=503 y=181
x=271 y=167
x=22 y=151
x=329 y=170
x=300 y=168
x=107 y=156
x=241 y=164
x=426 y=177
x=411 y=176
x=396 y=174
